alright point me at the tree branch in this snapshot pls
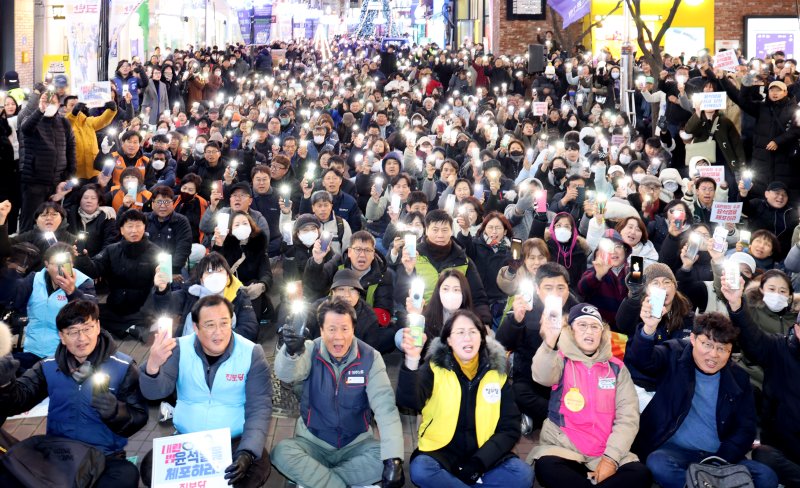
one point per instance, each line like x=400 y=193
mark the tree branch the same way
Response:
x=595 y=24
x=668 y=23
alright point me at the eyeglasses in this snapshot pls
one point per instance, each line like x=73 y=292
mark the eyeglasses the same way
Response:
x=708 y=346
x=49 y=214
x=278 y=166
x=461 y=333
x=593 y=327
x=494 y=228
x=75 y=333
x=212 y=151
x=162 y=203
x=362 y=250
x=212 y=327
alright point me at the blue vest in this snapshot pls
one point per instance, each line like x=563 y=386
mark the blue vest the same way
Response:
x=198 y=408
x=41 y=335
x=336 y=409
x=71 y=414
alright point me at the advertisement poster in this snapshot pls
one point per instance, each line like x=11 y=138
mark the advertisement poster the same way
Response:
x=83 y=28
x=765 y=35
x=769 y=43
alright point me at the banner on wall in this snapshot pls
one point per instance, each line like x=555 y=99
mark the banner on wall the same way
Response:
x=55 y=64
x=83 y=32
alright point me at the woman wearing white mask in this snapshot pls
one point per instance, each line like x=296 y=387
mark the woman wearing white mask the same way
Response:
x=245 y=247
x=566 y=247
x=298 y=244
x=212 y=276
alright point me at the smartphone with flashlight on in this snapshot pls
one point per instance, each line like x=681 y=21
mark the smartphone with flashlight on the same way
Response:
x=516 y=249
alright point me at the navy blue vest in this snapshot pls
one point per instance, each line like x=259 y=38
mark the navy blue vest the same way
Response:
x=336 y=409
x=71 y=414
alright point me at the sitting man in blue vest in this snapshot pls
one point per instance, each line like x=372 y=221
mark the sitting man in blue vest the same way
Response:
x=102 y=418
x=41 y=295
x=221 y=380
x=703 y=406
x=343 y=381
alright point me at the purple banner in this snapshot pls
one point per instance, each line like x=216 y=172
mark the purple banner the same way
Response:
x=244 y=24
x=571 y=10
x=263 y=24
x=768 y=43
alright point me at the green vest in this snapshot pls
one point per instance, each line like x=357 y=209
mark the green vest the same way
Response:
x=430 y=275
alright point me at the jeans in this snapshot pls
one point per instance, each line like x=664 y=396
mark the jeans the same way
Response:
x=669 y=465
x=513 y=472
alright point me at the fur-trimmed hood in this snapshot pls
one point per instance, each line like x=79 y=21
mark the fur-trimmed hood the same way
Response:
x=440 y=354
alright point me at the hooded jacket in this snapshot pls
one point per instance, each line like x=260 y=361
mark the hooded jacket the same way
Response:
x=49 y=156
x=85 y=131
x=417 y=390
x=592 y=427
x=779 y=221
x=572 y=255
x=255 y=268
x=101 y=231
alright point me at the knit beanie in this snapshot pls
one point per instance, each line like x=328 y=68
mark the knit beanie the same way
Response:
x=658 y=270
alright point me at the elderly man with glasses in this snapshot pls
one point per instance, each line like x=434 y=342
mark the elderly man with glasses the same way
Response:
x=221 y=380
x=94 y=397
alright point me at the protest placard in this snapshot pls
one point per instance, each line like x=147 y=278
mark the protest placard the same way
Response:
x=199 y=458
x=713 y=100
x=617 y=140
x=539 y=108
x=724 y=212
x=95 y=93
x=726 y=60
x=717 y=173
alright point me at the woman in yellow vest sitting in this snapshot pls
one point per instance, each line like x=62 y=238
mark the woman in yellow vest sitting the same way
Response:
x=594 y=411
x=469 y=422
x=131 y=194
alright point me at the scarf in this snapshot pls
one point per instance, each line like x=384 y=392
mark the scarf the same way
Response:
x=469 y=368
x=439 y=253
x=88 y=217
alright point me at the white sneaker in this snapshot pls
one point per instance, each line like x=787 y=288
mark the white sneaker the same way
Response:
x=527 y=425
x=166 y=411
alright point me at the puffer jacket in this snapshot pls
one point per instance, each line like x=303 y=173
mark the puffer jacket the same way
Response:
x=85 y=131
x=49 y=150
x=550 y=368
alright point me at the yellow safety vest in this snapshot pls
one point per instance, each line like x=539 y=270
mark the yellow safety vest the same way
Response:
x=430 y=275
x=439 y=419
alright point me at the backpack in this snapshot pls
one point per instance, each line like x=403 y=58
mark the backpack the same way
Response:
x=54 y=461
x=715 y=472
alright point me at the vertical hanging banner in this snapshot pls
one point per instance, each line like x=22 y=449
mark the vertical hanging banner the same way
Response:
x=83 y=32
x=119 y=16
x=262 y=17
x=243 y=15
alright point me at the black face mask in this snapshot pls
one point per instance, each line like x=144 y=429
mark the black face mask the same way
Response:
x=559 y=173
x=588 y=141
x=187 y=197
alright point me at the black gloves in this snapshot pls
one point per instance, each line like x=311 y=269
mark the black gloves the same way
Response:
x=393 y=476
x=295 y=343
x=110 y=105
x=8 y=369
x=470 y=471
x=634 y=289
x=238 y=470
x=78 y=108
x=514 y=265
x=106 y=405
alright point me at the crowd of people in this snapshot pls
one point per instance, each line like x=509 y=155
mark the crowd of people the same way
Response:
x=541 y=258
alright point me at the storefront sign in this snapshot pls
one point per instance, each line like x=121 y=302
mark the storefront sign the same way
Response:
x=55 y=64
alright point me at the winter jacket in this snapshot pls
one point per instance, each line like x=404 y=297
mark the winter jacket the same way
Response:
x=372 y=391
x=429 y=270
x=491 y=261
x=35 y=237
x=85 y=131
x=179 y=303
x=209 y=174
x=573 y=255
x=121 y=162
x=378 y=282
x=257 y=408
x=724 y=133
x=193 y=210
x=779 y=221
x=268 y=205
x=49 y=150
x=128 y=268
x=134 y=85
x=344 y=206
x=70 y=413
x=367 y=328
x=101 y=231
x=156 y=98
x=255 y=267
x=596 y=430
x=173 y=236
x=439 y=386
x=673 y=366
x=779 y=355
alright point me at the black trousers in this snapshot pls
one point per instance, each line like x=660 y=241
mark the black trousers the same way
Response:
x=119 y=473
x=787 y=470
x=532 y=400
x=33 y=196
x=555 y=472
x=256 y=476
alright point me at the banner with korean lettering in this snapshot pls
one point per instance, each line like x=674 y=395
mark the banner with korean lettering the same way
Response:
x=726 y=213
x=197 y=460
x=120 y=14
x=262 y=18
x=243 y=15
x=83 y=34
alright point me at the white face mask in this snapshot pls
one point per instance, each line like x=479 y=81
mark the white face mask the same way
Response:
x=625 y=159
x=671 y=186
x=319 y=139
x=200 y=147
x=638 y=177
x=308 y=238
x=615 y=75
x=572 y=123
x=162 y=131
x=775 y=301
x=158 y=164
x=51 y=110
x=451 y=300
x=215 y=282
x=242 y=232
x=563 y=235
x=685 y=135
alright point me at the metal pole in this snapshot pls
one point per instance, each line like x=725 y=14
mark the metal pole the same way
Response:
x=102 y=61
x=626 y=66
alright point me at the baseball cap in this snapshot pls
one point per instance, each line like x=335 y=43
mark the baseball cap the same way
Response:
x=778 y=84
x=777 y=186
x=584 y=310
